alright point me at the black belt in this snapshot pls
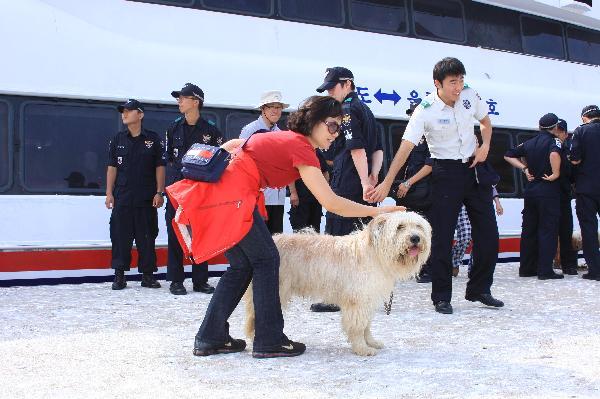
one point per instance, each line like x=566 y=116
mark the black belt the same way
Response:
x=453 y=161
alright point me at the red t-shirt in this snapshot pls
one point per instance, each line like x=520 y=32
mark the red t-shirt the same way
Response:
x=278 y=155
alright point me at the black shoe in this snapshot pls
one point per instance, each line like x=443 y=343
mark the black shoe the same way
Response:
x=527 y=274
x=231 y=346
x=423 y=278
x=324 y=307
x=486 y=299
x=120 y=281
x=553 y=276
x=288 y=349
x=204 y=287
x=443 y=307
x=589 y=276
x=149 y=281
x=177 y=288
x=571 y=271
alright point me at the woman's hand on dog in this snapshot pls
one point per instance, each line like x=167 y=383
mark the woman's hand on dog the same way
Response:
x=390 y=208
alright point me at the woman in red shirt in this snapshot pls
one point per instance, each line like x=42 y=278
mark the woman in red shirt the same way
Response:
x=227 y=215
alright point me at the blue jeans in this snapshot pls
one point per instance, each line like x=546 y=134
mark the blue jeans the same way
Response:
x=254 y=258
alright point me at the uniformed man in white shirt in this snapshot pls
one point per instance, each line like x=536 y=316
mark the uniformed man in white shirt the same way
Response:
x=446 y=118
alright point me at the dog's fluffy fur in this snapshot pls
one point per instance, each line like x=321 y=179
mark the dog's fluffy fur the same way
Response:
x=356 y=272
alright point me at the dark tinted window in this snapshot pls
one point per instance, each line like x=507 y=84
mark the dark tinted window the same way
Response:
x=541 y=37
x=236 y=121
x=5 y=152
x=501 y=143
x=584 y=45
x=169 y=2
x=253 y=7
x=159 y=120
x=65 y=147
x=379 y=15
x=442 y=20
x=328 y=12
x=493 y=27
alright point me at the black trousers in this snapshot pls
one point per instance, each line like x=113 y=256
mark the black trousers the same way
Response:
x=306 y=214
x=275 y=221
x=453 y=184
x=175 y=271
x=128 y=223
x=588 y=206
x=539 y=235
x=340 y=226
x=568 y=256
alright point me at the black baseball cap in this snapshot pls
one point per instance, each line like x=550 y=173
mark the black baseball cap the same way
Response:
x=131 y=104
x=189 y=90
x=548 y=121
x=589 y=109
x=334 y=76
x=562 y=124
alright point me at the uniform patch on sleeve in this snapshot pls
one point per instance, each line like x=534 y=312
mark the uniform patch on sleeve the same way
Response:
x=558 y=143
x=212 y=123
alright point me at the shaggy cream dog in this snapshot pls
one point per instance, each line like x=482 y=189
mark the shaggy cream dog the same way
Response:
x=356 y=272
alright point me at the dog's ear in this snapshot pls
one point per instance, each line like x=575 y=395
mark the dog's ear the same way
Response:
x=376 y=227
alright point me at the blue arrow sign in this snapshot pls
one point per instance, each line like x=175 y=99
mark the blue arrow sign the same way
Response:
x=381 y=97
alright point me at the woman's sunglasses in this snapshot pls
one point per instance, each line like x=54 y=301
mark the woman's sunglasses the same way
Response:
x=333 y=127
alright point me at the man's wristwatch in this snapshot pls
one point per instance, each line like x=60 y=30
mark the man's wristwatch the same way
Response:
x=161 y=193
x=406 y=184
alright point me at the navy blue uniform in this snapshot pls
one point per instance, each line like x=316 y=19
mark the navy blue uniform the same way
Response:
x=359 y=131
x=180 y=137
x=133 y=216
x=568 y=256
x=418 y=158
x=585 y=147
x=541 y=209
x=308 y=213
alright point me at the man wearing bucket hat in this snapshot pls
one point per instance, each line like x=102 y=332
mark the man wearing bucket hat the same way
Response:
x=271 y=106
x=184 y=131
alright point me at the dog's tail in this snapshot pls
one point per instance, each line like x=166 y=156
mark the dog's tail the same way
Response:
x=250 y=316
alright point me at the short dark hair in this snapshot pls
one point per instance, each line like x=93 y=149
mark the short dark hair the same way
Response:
x=315 y=109
x=449 y=66
x=591 y=112
x=200 y=105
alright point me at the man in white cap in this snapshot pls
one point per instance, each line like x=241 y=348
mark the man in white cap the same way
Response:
x=271 y=106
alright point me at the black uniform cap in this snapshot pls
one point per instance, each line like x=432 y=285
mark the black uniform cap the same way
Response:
x=334 y=76
x=131 y=104
x=562 y=124
x=589 y=109
x=548 y=121
x=189 y=90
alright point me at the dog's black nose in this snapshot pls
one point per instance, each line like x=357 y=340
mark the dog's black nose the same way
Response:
x=414 y=239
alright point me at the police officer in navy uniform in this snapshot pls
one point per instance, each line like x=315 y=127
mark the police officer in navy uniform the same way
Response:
x=135 y=182
x=184 y=131
x=583 y=152
x=357 y=153
x=445 y=118
x=568 y=256
x=541 y=210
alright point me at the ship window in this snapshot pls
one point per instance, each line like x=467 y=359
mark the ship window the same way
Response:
x=65 y=146
x=388 y=16
x=252 y=7
x=440 y=20
x=5 y=150
x=584 y=45
x=158 y=120
x=236 y=121
x=493 y=27
x=326 y=12
x=541 y=37
x=501 y=143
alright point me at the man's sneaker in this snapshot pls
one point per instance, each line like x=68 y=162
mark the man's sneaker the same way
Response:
x=120 y=281
x=486 y=299
x=149 y=281
x=287 y=349
x=443 y=307
x=324 y=307
x=424 y=278
x=231 y=346
x=177 y=288
x=204 y=288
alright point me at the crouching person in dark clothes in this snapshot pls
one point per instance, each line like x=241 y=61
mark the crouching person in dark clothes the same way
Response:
x=135 y=182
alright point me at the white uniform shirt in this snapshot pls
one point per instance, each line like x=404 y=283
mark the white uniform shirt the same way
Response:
x=449 y=131
x=273 y=196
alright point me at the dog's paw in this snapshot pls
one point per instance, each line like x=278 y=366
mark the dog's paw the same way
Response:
x=375 y=344
x=364 y=350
